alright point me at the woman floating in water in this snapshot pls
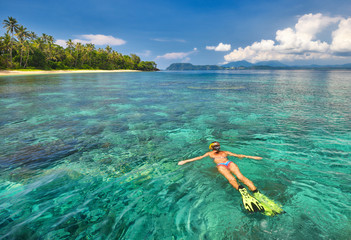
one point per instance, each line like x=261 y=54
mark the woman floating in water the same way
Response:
x=228 y=168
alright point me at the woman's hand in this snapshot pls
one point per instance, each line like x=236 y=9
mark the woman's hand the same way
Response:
x=181 y=162
x=256 y=158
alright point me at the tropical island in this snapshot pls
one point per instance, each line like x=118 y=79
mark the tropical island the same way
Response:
x=245 y=65
x=21 y=49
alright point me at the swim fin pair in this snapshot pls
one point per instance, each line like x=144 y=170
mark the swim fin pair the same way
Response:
x=259 y=203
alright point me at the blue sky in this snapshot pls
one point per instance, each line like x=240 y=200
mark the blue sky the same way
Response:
x=200 y=32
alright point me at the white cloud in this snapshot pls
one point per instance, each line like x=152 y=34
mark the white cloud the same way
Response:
x=61 y=42
x=174 y=55
x=342 y=37
x=97 y=39
x=177 y=55
x=300 y=42
x=146 y=53
x=100 y=39
x=220 y=48
x=309 y=25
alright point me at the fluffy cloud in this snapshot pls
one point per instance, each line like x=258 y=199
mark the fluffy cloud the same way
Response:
x=220 y=48
x=97 y=39
x=342 y=37
x=174 y=55
x=100 y=39
x=300 y=42
x=177 y=55
x=61 y=42
x=146 y=53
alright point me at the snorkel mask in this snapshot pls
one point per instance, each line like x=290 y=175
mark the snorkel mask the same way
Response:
x=215 y=146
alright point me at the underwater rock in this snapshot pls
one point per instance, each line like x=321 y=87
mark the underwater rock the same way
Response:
x=106 y=160
x=106 y=145
x=40 y=155
x=95 y=130
x=22 y=174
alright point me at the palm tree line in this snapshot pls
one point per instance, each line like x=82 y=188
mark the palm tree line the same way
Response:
x=22 y=49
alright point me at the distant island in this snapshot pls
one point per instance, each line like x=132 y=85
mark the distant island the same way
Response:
x=242 y=65
x=22 y=49
x=189 y=66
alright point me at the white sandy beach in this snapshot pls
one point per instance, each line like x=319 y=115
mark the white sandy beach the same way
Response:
x=37 y=72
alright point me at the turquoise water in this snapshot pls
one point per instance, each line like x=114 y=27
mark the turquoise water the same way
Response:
x=94 y=156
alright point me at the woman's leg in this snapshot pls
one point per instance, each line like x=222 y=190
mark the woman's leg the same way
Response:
x=229 y=176
x=235 y=169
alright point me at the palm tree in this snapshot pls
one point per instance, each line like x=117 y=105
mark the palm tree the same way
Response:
x=136 y=60
x=45 y=40
x=39 y=43
x=11 y=26
x=90 y=48
x=70 y=45
x=22 y=35
x=5 y=46
x=78 y=50
x=69 y=53
x=32 y=36
x=108 y=49
x=59 y=53
x=50 y=40
x=84 y=55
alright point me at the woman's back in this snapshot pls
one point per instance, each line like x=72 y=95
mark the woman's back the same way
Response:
x=219 y=156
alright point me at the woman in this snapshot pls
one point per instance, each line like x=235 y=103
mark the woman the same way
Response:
x=226 y=168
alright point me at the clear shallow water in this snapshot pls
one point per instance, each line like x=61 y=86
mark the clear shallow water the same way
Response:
x=94 y=156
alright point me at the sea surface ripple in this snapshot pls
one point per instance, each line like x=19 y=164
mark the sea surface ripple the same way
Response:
x=94 y=156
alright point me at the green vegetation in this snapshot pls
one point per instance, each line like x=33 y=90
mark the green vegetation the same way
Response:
x=22 y=49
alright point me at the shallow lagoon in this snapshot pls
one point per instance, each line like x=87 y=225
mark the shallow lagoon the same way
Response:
x=94 y=156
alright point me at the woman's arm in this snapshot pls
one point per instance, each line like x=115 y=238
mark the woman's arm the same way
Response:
x=242 y=156
x=192 y=159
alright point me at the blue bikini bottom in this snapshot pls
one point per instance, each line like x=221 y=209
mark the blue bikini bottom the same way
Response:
x=226 y=164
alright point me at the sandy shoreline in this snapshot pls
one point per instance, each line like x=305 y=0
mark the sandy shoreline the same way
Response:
x=37 y=72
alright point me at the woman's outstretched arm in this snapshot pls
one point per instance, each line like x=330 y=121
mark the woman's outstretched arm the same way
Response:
x=192 y=159
x=242 y=156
